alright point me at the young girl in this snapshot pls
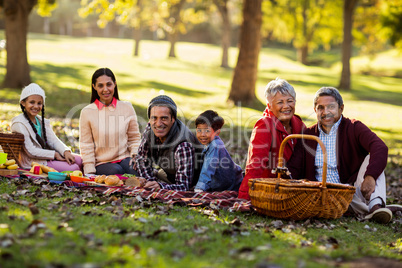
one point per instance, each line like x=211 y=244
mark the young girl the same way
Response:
x=109 y=133
x=41 y=144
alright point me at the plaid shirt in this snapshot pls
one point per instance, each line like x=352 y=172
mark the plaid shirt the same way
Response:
x=329 y=141
x=184 y=162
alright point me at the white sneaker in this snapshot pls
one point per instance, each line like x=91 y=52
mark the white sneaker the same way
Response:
x=381 y=215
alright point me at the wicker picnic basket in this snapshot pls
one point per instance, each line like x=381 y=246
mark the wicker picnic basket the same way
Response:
x=300 y=199
x=12 y=144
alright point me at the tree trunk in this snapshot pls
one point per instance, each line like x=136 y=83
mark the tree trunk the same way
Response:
x=173 y=36
x=245 y=73
x=16 y=14
x=69 y=26
x=137 y=38
x=348 y=10
x=302 y=54
x=137 y=32
x=226 y=29
x=46 y=25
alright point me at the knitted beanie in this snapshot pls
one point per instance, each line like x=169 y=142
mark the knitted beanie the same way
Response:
x=32 y=89
x=163 y=100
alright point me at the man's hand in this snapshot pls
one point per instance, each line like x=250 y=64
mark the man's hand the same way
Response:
x=368 y=187
x=143 y=181
x=152 y=185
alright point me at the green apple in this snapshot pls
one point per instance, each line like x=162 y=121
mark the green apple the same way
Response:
x=77 y=173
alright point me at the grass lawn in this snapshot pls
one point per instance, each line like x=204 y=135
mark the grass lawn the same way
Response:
x=74 y=227
x=53 y=226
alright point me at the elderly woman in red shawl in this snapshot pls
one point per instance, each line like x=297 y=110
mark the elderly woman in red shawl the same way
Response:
x=277 y=122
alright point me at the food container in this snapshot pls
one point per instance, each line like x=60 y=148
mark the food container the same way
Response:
x=78 y=179
x=3 y=158
x=57 y=176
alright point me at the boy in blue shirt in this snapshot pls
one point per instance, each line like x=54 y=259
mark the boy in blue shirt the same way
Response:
x=218 y=172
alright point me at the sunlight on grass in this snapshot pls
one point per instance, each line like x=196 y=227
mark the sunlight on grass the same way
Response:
x=20 y=212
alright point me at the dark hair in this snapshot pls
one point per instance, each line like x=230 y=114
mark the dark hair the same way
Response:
x=328 y=91
x=210 y=118
x=39 y=139
x=100 y=72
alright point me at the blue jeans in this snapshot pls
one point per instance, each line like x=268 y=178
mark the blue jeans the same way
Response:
x=116 y=168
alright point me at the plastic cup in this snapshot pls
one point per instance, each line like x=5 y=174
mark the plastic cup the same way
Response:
x=3 y=158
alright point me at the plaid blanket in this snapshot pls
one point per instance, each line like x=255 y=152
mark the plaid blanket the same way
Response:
x=216 y=200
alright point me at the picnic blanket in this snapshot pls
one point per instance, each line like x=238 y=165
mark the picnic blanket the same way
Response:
x=226 y=200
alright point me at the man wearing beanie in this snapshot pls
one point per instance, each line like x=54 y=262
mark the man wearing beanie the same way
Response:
x=168 y=144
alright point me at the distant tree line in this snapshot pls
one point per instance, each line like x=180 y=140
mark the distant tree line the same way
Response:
x=307 y=25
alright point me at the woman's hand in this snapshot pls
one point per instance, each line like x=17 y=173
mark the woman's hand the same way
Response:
x=69 y=157
x=58 y=157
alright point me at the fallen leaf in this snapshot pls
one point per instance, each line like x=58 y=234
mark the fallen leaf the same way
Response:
x=137 y=249
x=21 y=192
x=177 y=255
x=305 y=243
x=151 y=252
x=62 y=225
x=139 y=198
x=4 y=226
x=200 y=230
x=117 y=202
x=236 y=222
x=52 y=206
x=143 y=220
x=34 y=226
x=22 y=202
x=7 y=197
x=192 y=241
x=169 y=228
x=264 y=247
x=277 y=224
x=34 y=210
x=118 y=231
x=58 y=194
x=6 y=256
x=6 y=243
x=47 y=188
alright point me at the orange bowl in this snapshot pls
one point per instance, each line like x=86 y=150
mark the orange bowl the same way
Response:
x=78 y=179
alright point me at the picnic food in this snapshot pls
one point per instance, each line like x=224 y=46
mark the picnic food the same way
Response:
x=77 y=173
x=100 y=179
x=9 y=164
x=14 y=166
x=44 y=168
x=133 y=181
x=36 y=169
x=113 y=180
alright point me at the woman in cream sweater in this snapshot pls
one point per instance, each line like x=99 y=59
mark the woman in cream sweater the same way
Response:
x=109 y=133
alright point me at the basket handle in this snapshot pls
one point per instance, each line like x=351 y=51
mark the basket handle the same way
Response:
x=307 y=137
